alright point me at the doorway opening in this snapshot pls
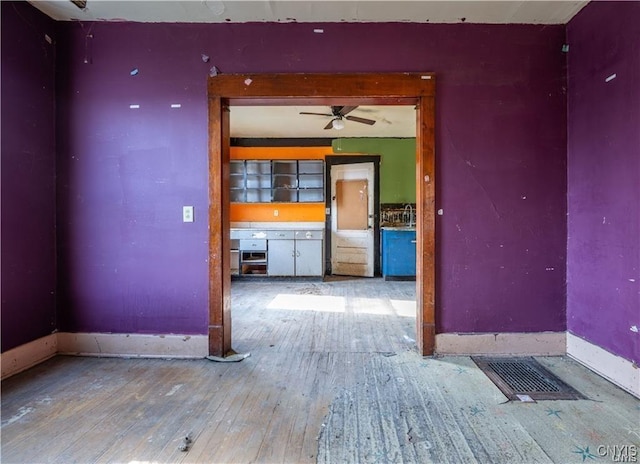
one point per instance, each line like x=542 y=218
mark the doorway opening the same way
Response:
x=353 y=248
x=320 y=89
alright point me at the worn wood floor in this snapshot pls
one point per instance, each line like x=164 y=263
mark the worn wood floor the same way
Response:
x=333 y=377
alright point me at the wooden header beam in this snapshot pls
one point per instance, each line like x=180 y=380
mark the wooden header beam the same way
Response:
x=322 y=89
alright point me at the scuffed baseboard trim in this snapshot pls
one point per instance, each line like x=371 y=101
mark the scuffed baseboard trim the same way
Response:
x=28 y=355
x=133 y=345
x=524 y=344
x=172 y=346
x=614 y=368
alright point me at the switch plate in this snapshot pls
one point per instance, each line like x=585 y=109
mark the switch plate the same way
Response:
x=187 y=214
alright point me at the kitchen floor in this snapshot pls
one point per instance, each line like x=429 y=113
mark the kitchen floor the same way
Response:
x=333 y=377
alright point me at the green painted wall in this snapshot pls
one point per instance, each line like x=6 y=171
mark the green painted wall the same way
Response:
x=397 y=164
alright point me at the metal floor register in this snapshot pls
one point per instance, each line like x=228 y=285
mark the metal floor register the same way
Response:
x=522 y=377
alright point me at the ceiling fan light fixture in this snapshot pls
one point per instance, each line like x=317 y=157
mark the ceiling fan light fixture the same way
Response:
x=338 y=124
x=82 y=4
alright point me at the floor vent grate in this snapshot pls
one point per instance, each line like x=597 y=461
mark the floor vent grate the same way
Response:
x=525 y=376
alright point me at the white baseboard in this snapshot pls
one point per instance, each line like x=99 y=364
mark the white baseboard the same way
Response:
x=529 y=344
x=28 y=355
x=614 y=368
x=133 y=345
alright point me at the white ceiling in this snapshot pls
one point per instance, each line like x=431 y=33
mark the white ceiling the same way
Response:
x=286 y=122
x=272 y=122
x=217 y=11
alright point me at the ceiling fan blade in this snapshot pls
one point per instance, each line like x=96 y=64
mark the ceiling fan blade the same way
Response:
x=346 y=109
x=317 y=114
x=329 y=126
x=371 y=122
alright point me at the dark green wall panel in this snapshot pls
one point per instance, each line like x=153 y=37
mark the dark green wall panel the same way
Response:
x=397 y=164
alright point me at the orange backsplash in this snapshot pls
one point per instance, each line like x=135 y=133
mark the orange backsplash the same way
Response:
x=287 y=212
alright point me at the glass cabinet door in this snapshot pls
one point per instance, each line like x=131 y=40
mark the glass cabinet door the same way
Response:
x=258 y=184
x=310 y=181
x=237 y=182
x=285 y=181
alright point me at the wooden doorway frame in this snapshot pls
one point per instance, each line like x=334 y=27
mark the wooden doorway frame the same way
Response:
x=227 y=90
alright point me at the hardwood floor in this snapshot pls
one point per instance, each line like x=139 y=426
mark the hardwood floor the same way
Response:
x=345 y=315
x=333 y=377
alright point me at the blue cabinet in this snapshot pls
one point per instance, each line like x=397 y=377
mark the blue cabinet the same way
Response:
x=398 y=253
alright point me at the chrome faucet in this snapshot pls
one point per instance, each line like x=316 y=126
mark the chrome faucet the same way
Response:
x=408 y=205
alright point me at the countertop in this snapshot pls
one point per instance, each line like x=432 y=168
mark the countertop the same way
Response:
x=301 y=226
x=278 y=225
x=399 y=228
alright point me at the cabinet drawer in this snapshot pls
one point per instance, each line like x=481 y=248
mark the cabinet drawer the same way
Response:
x=249 y=245
x=248 y=234
x=309 y=235
x=280 y=235
x=240 y=234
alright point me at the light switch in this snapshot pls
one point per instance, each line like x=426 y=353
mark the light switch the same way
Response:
x=187 y=214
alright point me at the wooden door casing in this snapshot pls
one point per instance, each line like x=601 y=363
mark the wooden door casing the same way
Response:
x=319 y=89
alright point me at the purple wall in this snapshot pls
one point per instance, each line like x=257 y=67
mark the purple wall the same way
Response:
x=603 y=262
x=28 y=175
x=129 y=262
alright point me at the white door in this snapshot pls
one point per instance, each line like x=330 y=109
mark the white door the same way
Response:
x=352 y=212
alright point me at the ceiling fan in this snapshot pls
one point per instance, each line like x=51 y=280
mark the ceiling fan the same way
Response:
x=338 y=113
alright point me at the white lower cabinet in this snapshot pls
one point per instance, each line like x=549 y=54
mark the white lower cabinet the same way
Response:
x=277 y=252
x=281 y=258
x=301 y=256
x=308 y=257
